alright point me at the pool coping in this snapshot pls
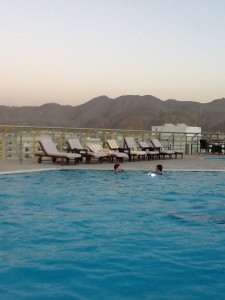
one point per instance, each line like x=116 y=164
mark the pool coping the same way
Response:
x=190 y=163
x=26 y=171
x=102 y=169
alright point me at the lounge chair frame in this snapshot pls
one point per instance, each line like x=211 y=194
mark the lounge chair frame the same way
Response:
x=75 y=146
x=133 y=149
x=163 y=152
x=57 y=155
x=151 y=152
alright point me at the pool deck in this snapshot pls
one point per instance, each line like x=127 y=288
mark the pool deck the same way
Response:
x=188 y=163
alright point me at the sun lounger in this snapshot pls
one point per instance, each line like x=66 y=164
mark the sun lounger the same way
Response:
x=114 y=146
x=116 y=151
x=163 y=152
x=49 y=150
x=150 y=151
x=111 y=154
x=133 y=149
x=75 y=146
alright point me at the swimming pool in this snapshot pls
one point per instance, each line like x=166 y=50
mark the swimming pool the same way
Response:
x=216 y=158
x=103 y=235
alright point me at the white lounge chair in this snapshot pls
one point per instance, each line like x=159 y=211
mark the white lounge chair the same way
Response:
x=111 y=154
x=133 y=149
x=114 y=146
x=49 y=150
x=117 y=151
x=151 y=153
x=163 y=152
x=76 y=147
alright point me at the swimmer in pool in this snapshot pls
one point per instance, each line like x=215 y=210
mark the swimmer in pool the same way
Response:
x=158 y=171
x=117 y=168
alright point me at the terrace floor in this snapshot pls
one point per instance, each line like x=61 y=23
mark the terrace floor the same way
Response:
x=189 y=162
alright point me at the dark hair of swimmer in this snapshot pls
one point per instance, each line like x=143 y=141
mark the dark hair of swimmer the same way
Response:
x=159 y=167
x=116 y=166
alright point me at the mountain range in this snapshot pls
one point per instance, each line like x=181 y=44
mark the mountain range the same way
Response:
x=125 y=112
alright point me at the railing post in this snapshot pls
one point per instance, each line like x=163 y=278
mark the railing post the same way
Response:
x=3 y=146
x=21 y=146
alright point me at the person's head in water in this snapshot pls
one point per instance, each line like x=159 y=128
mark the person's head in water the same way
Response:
x=117 y=168
x=158 y=169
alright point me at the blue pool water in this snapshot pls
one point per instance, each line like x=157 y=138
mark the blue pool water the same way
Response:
x=103 y=235
x=216 y=158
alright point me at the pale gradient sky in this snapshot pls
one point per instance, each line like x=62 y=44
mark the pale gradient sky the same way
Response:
x=70 y=51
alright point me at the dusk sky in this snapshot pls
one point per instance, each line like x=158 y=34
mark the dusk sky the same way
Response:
x=70 y=51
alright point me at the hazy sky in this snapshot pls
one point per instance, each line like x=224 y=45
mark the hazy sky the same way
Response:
x=70 y=51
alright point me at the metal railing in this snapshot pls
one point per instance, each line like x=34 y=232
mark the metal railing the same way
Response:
x=18 y=142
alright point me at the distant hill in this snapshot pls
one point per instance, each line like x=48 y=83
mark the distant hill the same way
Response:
x=125 y=112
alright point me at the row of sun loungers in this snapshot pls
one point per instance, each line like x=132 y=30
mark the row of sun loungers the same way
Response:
x=132 y=151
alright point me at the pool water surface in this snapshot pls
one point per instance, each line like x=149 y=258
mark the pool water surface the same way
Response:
x=222 y=159
x=80 y=234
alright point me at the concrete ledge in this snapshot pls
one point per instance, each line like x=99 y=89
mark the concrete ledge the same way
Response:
x=188 y=163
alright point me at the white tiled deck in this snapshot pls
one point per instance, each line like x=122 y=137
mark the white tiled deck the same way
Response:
x=189 y=162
